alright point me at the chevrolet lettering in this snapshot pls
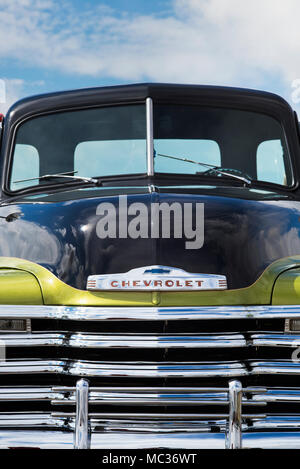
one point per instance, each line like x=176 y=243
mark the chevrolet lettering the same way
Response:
x=157 y=278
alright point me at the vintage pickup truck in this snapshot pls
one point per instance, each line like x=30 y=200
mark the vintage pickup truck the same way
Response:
x=150 y=269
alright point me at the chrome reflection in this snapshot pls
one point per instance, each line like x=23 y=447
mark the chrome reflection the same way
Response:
x=47 y=439
x=163 y=369
x=82 y=425
x=148 y=313
x=148 y=369
x=139 y=341
x=95 y=340
x=235 y=415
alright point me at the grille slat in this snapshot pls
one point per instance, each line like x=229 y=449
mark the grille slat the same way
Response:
x=168 y=313
x=96 y=340
x=164 y=341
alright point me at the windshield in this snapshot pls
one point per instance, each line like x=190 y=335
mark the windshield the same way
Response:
x=250 y=143
x=88 y=143
x=111 y=141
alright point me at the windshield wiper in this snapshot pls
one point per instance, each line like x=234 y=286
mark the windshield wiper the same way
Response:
x=212 y=168
x=68 y=175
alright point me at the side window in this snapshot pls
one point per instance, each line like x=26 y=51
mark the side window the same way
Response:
x=270 y=162
x=26 y=165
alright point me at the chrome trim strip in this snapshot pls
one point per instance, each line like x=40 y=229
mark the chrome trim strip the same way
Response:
x=288 y=395
x=34 y=366
x=153 y=417
x=279 y=367
x=162 y=426
x=134 y=396
x=82 y=430
x=151 y=389
x=139 y=341
x=148 y=369
x=151 y=341
x=276 y=422
x=161 y=398
x=33 y=420
x=275 y=340
x=163 y=369
x=99 y=313
x=157 y=341
x=95 y=340
x=123 y=369
x=149 y=133
x=34 y=339
x=47 y=439
x=185 y=400
x=110 y=421
x=30 y=393
x=235 y=415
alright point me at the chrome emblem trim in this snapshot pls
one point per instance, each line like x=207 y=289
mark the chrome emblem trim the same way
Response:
x=157 y=278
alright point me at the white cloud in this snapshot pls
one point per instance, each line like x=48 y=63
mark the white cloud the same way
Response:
x=11 y=91
x=202 y=41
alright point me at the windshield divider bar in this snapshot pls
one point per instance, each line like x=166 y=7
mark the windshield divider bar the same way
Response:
x=149 y=127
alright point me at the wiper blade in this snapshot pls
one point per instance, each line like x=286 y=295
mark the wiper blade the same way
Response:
x=68 y=175
x=211 y=167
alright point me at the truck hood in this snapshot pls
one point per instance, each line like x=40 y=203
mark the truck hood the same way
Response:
x=240 y=237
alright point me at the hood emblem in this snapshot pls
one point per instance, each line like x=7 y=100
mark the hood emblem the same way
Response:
x=157 y=278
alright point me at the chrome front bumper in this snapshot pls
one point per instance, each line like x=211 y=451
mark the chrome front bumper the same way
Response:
x=83 y=425
x=83 y=430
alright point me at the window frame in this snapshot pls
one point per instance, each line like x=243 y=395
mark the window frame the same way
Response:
x=273 y=110
x=52 y=184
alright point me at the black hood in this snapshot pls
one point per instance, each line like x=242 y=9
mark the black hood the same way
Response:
x=241 y=236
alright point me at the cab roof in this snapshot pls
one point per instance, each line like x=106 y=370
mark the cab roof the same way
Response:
x=159 y=92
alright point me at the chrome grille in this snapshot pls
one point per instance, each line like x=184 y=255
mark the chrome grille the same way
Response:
x=151 y=371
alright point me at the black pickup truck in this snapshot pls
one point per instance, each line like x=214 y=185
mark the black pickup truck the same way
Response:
x=150 y=269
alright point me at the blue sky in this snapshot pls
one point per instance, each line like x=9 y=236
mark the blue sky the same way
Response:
x=49 y=45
